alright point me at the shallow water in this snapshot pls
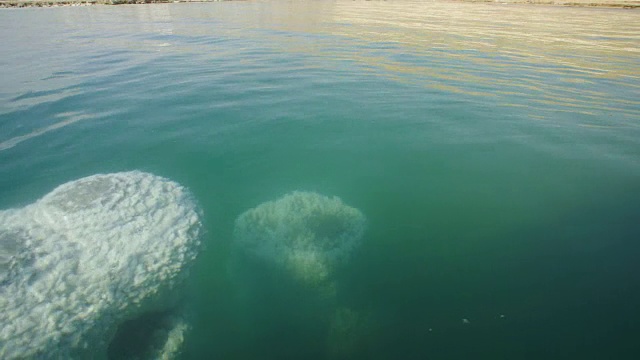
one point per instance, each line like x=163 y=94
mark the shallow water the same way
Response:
x=495 y=151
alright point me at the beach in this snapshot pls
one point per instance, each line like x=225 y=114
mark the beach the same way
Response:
x=54 y=3
x=591 y=3
x=627 y=4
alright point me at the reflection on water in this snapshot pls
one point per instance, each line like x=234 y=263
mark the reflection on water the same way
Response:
x=570 y=71
x=511 y=50
x=540 y=56
x=69 y=118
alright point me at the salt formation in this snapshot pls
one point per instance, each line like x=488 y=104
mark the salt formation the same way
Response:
x=89 y=256
x=305 y=234
x=286 y=257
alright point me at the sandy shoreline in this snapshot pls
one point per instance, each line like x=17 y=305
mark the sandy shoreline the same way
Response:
x=629 y=4
x=54 y=3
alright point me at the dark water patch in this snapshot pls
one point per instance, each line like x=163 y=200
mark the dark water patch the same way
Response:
x=134 y=338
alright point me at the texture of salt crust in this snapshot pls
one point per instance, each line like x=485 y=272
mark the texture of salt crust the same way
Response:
x=302 y=231
x=93 y=253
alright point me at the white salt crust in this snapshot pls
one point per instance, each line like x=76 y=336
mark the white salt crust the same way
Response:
x=88 y=256
x=305 y=233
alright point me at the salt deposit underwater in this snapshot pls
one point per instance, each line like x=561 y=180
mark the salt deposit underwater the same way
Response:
x=108 y=252
x=287 y=256
x=90 y=256
x=304 y=233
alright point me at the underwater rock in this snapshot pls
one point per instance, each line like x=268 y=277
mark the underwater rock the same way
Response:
x=89 y=256
x=303 y=233
x=284 y=264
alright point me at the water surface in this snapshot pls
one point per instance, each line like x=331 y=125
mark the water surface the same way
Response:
x=494 y=149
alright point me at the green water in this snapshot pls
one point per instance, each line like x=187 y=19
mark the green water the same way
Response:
x=495 y=151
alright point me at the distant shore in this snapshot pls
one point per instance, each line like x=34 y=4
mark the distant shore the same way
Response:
x=54 y=3
x=629 y=4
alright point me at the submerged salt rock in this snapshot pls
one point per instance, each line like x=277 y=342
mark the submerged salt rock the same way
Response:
x=88 y=256
x=305 y=233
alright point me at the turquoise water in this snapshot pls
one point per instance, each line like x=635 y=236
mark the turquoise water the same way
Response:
x=495 y=151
